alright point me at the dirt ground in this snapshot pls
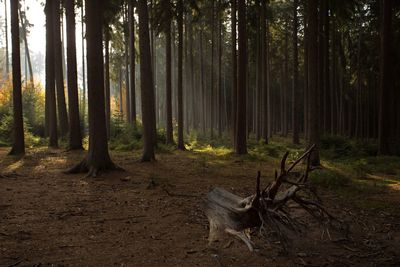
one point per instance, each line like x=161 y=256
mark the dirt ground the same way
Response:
x=151 y=215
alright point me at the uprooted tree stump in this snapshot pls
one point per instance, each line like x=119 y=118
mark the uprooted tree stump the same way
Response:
x=269 y=211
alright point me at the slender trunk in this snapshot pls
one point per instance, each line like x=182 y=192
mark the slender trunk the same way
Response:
x=83 y=70
x=219 y=108
x=241 y=146
x=18 y=147
x=132 y=62
x=202 y=81
x=27 y=52
x=58 y=66
x=212 y=71
x=50 y=75
x=386 y=142
x=107 y=79
x=313 y=79
x=181 y=144
x=170 y=138
x=147 y=85
x=234 y=71
x=75 y=135
x=6 y=35
x=296 y=91
x=286 y=82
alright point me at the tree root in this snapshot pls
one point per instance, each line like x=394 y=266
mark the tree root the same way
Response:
x=91 y=170
x=268 y=210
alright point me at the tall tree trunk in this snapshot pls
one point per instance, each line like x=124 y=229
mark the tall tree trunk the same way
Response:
x=18 y=147
x=313 y=79
x=50 y=76
x=168 y=83
x=386 y=142
x=212 y=100
x=241 y=145
x=75 y=135
x=147 y=85
x=219 y=117
x=83 y=70
x=263 y=92
x=6 y=35
x=107 y=79
x=127 y=59
x=58 y=66
x=132 y=62
x=286 y=81
x=27 y=52
x=296 y=89
x=98 y=158
x=234 y=70
x=202 y=81
x=181 y=144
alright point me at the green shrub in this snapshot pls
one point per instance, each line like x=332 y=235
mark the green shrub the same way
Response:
x=328 y=179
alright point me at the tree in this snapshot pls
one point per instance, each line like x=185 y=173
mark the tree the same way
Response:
x=51 y=113
x=131 y=20
x=181 y=144
x=313 y=116
x=75 y=135
x=168 y=75
x=147 y=85
x=234 y=70
x=58 y=66
x=98 y=158
x=18 y=147
x=6 y=35
x=241 y=145
x=386 y=137
x=296 y=93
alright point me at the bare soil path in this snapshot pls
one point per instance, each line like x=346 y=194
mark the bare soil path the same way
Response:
x=151 y=215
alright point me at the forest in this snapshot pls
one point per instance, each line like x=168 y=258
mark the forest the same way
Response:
x=199 y=132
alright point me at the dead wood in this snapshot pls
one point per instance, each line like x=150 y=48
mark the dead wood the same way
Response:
x=268 y=211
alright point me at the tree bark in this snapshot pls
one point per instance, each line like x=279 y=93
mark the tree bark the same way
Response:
x=107 y=79
x=147 y=85
x=296 y=91
x=241 y=145
x=6 y=34
x=234 y=70
x=168 y=84
x=132 y=62
x=98 y=158
x=50 y=76
x=387 y=145
x=181 y=144
x=18 y=147
x=75 y=135
x=313 y=80
x=27 y=52
x=58 y=66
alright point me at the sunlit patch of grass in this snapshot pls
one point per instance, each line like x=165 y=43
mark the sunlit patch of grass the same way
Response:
x=217 y=151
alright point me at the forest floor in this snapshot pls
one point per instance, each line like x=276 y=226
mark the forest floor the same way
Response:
x=151 y=214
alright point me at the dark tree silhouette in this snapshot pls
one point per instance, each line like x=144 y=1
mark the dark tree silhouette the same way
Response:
x=386 y=138
x=131 y=21
x=168 y=76
x=312 y=42
x=147 y=85
x=58 y=66
x=98 y=158
x=241 y=145
x=51 y=108
x=18 y=147
x=75 y=135
x=181 y=144
x=296 y=91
